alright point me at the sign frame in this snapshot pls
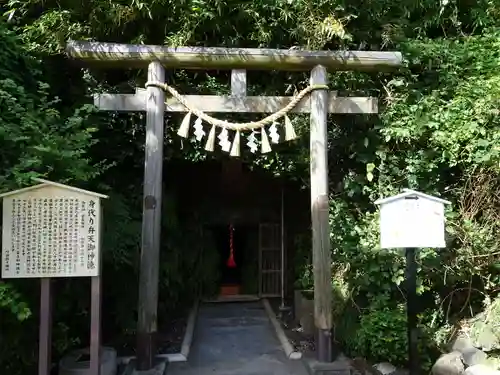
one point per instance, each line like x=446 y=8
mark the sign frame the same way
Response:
x=50 y=231
x=46 y=298
x=412 y=220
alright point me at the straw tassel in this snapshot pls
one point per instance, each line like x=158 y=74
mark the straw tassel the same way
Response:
x=235 y=150
x=265 y=147
x=184 y=128
x=290 y=134
x=209 y=146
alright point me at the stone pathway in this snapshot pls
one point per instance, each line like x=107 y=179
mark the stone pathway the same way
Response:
x=235 y=339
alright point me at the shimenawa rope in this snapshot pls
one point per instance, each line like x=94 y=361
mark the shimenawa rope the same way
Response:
x=234 y=125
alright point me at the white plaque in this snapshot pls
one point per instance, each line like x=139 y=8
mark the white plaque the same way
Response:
x=412 y=219
x=50 y=231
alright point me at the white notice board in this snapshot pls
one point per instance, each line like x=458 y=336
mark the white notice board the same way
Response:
x=412 y=223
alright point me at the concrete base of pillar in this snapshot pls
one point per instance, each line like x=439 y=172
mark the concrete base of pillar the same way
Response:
x=341 y=366
x=160 y=368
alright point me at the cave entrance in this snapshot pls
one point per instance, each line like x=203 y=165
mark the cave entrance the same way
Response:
x=240 y=276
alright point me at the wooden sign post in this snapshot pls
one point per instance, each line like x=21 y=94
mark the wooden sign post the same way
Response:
x=54 y=230
x=412 y=220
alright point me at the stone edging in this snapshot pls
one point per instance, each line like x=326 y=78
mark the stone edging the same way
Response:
x=186 y=342
x=188 y=335
x=290 y=352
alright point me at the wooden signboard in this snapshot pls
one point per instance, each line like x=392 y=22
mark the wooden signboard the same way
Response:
x=50 y=231
x=54 y=230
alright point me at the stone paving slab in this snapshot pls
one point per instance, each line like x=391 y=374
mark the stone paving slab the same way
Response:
x=235 y=339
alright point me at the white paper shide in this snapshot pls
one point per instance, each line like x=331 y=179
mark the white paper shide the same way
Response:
x=412 y=219
x=51 y=230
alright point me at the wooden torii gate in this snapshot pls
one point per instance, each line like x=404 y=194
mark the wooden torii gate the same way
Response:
x=152 y=100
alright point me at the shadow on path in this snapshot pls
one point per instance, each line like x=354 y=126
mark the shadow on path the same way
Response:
x=235 y=339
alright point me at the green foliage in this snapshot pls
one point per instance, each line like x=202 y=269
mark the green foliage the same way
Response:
x=36 y=137
x=303 y=262
x=462 y=133
x=12 y=300
x=382 y=333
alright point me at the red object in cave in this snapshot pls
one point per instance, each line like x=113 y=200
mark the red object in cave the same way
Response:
x=230 y=262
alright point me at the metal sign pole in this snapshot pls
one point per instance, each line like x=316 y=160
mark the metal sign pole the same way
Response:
x=411 y=301
x=282 y=248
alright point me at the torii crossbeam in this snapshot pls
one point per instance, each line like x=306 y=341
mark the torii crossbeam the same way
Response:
x=152 y=101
